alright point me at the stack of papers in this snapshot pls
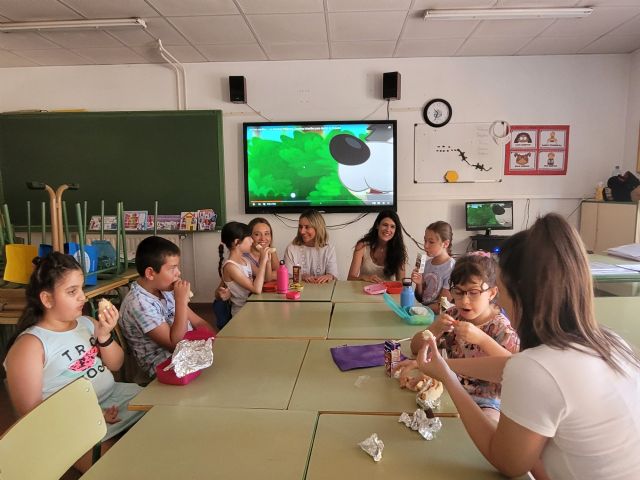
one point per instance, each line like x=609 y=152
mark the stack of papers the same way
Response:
x=631 y=251
x=603 y=269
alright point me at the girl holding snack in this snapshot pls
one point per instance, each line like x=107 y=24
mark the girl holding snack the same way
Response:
x=570 y=397
x=380 y=255
x=311 y=251
x=235 y=271
x=55 y=344
x=475 y=327
x=433 y=283
x=262 y=236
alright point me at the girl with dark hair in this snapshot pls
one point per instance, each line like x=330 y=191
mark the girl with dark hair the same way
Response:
x=433 y=283
x=55 y=344
x=380 y=255
x=262 y=236
x=570 y=397
x=235 y=272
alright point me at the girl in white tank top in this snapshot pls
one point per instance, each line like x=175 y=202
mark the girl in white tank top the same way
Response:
x=235 y=271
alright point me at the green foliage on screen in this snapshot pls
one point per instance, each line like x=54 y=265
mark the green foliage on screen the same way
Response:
x=301 y=165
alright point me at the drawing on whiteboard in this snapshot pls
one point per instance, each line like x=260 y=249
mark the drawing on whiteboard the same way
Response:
x=463 y=157
x=466 y=148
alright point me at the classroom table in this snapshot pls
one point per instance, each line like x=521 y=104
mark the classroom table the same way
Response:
x=280 y=320
x=184 y=442
x=628 y=276
x=322 y=387
x=368 y=320
x=451 y=455
x=312 y=292
x=347 y=291
x=619 y=284
x=622 y=315
x=246 y=373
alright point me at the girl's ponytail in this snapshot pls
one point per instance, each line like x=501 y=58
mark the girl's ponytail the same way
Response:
x=221 y=253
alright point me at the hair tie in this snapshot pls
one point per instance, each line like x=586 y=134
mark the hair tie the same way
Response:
x=37 y=261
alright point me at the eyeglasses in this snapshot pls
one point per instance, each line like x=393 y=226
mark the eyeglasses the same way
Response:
x=473 y=294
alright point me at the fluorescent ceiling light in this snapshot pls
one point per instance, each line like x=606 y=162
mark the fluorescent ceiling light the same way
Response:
x=506 y=13
x=72 y=24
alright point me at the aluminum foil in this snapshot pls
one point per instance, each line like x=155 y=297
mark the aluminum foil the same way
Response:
x=373 y=446
x=432 y=404
x=425 y=426
x=192 y=355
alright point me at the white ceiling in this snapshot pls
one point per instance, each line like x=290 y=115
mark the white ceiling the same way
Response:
x=247 y=30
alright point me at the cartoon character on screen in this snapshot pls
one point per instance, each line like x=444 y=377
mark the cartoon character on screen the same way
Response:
x=502 y=213
x=366 y=167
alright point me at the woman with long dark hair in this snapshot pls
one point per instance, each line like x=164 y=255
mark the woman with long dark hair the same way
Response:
x=380 y=254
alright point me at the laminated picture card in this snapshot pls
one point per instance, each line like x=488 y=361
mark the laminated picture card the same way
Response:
x=110 y=222
x=188 y=221
x=135 y=220
x=165 y=222
x=207 y=219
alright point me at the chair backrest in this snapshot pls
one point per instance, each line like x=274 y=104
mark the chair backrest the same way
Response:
x=48 y=440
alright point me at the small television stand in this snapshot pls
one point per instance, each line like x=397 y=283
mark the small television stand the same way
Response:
x=488 y=242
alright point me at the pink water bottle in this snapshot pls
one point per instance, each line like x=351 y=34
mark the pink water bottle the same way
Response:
x=282 y=278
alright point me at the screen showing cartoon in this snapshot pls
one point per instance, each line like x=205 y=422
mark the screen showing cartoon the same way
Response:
x=489 y=216
x=330 y=166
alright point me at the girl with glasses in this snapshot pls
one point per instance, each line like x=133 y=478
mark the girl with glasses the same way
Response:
x=475 y=327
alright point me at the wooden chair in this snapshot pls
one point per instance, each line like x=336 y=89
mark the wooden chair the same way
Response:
x=48 y=440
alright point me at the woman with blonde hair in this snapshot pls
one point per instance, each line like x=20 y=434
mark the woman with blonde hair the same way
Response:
x=311 y=251
x=570 y=405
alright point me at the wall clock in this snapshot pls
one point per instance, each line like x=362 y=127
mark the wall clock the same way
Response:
x=437 y=112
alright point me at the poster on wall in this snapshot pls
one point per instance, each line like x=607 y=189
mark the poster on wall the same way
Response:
x=537 y=150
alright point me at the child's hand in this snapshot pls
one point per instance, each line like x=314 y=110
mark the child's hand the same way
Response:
x=371 y=278
x=111 y=414
x=265 y=254
x=443 y=323
x=469 y=333
x=416 y=277
x=223 y=293
x=431 y=363
x=107 y=321
x=320 y=279
x=181 y=289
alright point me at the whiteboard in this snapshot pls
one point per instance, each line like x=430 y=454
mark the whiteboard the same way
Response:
x=466 y=148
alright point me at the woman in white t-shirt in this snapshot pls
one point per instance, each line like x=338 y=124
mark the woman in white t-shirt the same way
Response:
x=311 y=250
x=570 y=398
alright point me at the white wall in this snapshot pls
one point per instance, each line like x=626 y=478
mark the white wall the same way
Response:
x=590 y=93
x=632 y=149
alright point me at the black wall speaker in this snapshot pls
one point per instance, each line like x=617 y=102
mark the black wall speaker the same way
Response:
x=237 y=90
x=391 y=85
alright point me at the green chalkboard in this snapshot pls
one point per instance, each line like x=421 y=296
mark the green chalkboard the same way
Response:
x=174 y=157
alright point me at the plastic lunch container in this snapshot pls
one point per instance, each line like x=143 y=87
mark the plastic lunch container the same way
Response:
x=169 y=377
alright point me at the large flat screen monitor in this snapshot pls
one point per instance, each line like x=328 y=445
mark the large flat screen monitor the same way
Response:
x=337 y=166
x=489 y=216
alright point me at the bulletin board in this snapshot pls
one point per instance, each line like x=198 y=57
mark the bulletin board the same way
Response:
x=174 y=157
x=537 y=150
x=466 y=148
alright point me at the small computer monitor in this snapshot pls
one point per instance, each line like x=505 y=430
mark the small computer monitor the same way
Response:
x=489 y=216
